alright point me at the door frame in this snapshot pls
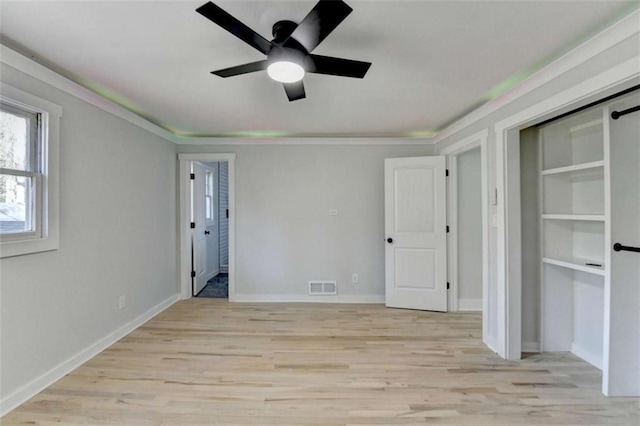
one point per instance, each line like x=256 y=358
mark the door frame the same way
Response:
x=474 y=141
x=184 y=214
x=507 y=166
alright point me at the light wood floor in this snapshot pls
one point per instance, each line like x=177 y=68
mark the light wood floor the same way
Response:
x=204 y=361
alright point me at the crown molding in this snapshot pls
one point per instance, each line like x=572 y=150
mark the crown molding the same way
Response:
x=292 y=140
x=627 y=27
x=23 y=63
x=32 y=68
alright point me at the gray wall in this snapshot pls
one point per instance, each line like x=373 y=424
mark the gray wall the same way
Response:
x=469 y=166
x=117 y=237
x=284 y=233
x=530 y=214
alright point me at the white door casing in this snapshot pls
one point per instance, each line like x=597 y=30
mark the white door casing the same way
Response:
x=198 y=237
x=504 y=291
x=415 y=233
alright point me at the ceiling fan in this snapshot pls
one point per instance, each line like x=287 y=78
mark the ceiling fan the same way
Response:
x=289 y=53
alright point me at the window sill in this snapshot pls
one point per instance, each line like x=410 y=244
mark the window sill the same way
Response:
x=25 y=246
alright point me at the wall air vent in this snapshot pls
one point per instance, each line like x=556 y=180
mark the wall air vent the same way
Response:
x=317 y=288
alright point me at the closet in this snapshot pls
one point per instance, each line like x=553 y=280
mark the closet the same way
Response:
x=587 y=292
x=573 y=223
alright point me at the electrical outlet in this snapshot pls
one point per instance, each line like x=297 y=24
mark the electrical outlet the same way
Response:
x=122 y=302
x=355 y=278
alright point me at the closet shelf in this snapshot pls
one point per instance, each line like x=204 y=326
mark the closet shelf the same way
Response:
x=585 y=217
x=576 y=264
x=574 y=168
x=588 y=125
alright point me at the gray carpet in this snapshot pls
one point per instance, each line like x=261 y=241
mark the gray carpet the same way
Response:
x=217 y=286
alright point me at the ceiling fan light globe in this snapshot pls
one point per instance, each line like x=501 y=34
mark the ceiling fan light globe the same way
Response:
x=285 y=71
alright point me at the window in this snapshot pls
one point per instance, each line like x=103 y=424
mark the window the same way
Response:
x=208 y=197
x=20 y=176
x=28 y=173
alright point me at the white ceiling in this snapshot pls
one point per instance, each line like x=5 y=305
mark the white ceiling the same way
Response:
x=433 y=61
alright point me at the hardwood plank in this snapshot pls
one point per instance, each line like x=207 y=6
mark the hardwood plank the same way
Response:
x=208 y=362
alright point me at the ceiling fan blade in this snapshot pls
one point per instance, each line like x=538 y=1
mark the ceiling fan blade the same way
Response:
x=318 y=24
x=338 y=66
x=241 y=69
x=295 y=90
x=235 y=27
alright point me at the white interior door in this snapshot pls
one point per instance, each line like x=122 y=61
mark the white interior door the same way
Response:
x=415 y=233
x=198 y=236
x=621 y=368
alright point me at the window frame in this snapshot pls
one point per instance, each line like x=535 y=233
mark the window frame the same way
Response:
x=31 y=172
x=43 y=172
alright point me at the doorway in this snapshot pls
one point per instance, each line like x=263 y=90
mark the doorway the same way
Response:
x=210 y=237
x=468 y=239
x=469 y=231
x=588 y=298
x=207 y=225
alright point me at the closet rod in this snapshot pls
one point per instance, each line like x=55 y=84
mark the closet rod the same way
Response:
x=620 y=247
x=582 y=108
x=617 y=114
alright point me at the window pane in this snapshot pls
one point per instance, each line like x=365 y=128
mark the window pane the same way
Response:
x=207 y=203
x=207 y=183
x=14 y=141
x=15 y=204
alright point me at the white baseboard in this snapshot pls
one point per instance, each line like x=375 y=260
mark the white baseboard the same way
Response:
x=40 y=383
x=591 y=358
x=213 y=274
x=530 y=347
x=491 y=343
x=302 y=298
x=470 y=305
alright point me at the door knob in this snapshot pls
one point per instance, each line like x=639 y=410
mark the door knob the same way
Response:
x=206 y=232
x=390 y=240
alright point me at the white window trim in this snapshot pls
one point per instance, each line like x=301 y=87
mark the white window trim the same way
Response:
x=50 y=114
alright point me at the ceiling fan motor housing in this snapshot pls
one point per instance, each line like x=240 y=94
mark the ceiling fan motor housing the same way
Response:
x=281 y=30
x=287 y=49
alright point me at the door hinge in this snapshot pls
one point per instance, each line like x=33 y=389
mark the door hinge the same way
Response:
x=193 y=274
x=227 y=213
x=193 y=225
x=447 y=229
x=192 y=176
x=447 y=285
x=446 y=173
